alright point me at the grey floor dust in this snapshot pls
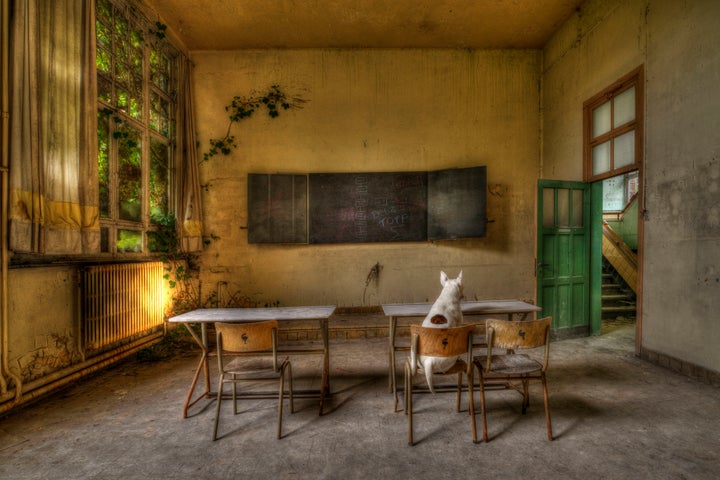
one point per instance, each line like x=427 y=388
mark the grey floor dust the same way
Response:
x=614 y=417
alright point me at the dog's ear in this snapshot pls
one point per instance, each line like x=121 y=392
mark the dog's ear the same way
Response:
x=443 y=278
x=459 y=277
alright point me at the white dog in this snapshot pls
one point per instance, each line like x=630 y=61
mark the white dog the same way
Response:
x=444 y=313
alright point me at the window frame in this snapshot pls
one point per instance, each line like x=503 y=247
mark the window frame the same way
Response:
x=633 y=79
x=121 y=117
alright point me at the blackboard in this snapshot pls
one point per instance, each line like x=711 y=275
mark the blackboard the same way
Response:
x=457 y=203
x=368 y=207
x=277 y=208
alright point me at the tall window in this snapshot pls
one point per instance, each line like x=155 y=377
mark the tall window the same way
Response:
x=613 y=129
x=136 y=88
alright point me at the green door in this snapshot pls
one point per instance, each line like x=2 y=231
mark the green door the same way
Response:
x=563 y=255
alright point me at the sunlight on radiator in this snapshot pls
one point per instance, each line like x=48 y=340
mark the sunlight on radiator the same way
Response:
x=121 y=303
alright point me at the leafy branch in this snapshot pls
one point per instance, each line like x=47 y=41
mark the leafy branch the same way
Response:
x=273 y=101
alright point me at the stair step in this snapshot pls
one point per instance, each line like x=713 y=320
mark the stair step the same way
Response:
x=617 y=296
x=619 y=309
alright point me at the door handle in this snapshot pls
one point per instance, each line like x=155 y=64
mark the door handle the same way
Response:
x=539 y=265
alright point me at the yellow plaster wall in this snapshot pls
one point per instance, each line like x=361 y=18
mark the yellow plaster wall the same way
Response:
x=594 y=47
x=373 y=110
x=43 y=314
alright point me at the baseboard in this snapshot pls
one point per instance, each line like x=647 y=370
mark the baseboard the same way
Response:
x=682 y=367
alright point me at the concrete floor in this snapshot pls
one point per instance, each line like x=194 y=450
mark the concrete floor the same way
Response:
x=614 y=417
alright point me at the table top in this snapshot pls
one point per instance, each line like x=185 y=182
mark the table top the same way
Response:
x=481 y=307
x=207 y=315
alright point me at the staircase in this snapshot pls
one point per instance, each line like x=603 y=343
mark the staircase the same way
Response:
x=618 y=299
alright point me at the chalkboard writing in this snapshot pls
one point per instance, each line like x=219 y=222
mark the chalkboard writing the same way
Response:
x=277 y=208
x=368 y=207
x=456 y=203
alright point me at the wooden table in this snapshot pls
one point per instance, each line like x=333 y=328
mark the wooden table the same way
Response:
x=203 y=316
x=484 y=307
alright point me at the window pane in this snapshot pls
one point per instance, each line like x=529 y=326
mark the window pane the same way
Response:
x=563 y=207
x=577 y=208
x=548 y=207
x=130 y=174
x=624 y=108
x=624 y=149
x=601 y=120
x=159 y=70
x=601 y=158
x=159 y=180
x=102 y=61
x=104 y=36
x=104 y=240
x=135 y=100
x=103 y=11
x=136 y=38
x=129 y=241
x=104 y=87
x=103 y=133
x=159 y=114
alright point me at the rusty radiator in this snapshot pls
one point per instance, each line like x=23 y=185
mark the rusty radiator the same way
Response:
x=120 y=303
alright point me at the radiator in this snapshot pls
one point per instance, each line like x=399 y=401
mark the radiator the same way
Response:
x=120 y=303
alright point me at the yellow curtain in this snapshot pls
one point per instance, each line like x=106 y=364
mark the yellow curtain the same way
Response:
x=53 y=160
x=189 y=211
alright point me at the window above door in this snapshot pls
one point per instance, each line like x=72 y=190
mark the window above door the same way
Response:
x=613 y=129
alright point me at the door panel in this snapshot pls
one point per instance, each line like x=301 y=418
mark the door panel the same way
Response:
x=563 y=253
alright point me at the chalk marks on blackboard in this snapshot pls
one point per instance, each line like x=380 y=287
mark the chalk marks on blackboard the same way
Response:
x=367 y=207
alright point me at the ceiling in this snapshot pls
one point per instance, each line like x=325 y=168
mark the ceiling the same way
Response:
x=240 y=24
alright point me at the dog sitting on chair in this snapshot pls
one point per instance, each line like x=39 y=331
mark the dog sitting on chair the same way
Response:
x=444 y=313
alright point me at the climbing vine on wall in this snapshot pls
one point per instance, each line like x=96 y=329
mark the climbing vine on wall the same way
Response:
x=273 y=101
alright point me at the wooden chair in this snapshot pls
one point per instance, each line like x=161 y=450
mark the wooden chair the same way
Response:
x=440 y=342
x=259 y=341
x=511 y=366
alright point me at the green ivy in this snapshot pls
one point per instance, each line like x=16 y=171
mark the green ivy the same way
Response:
x=273 y=101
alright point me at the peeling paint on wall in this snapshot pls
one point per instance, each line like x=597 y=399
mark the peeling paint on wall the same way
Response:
x=53 y=353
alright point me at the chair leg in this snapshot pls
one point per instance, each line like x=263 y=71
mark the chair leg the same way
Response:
x=459 y=392
x=217 y=407
x=281 y=395
x=471 y=403
x=395 y=396
x=292 y=402
x=405 y=392
x=483 y=409
x=526 y=396
x=547 y=407
x=234 y=394
x=408 y=407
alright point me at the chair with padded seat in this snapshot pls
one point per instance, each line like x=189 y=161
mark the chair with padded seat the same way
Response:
x=247 y=352
x=515 y=367
x=440 y=342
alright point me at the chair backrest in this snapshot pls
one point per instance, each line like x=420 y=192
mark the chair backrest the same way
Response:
x=246 y=337
x=518 y=334
x=441 y=342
